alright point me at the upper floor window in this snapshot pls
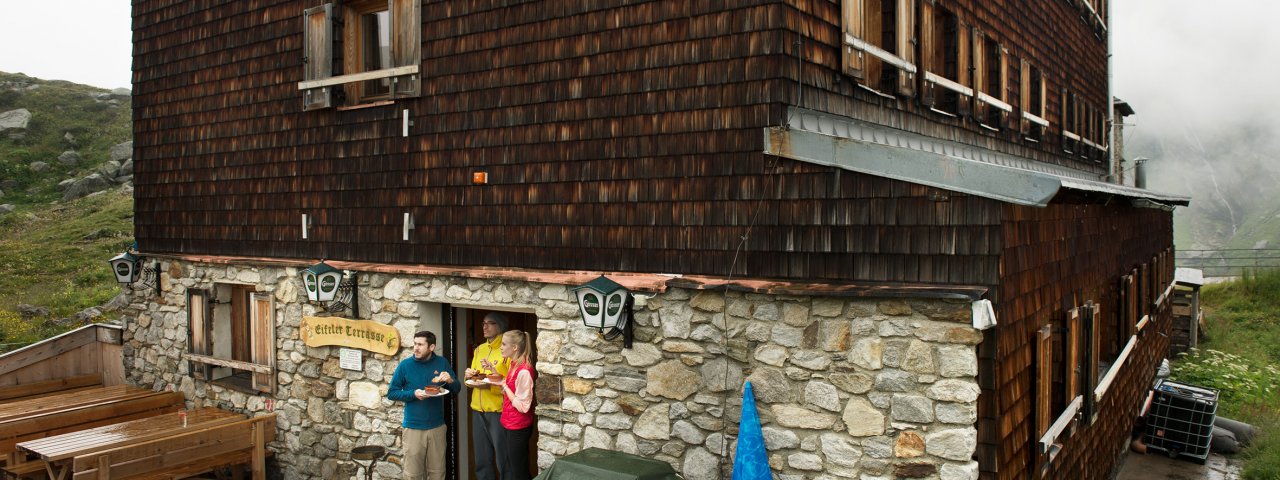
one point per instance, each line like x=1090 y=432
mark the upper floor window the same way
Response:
x=879 y=48
x=991 y=79
x=380 y=45
x=945 y=47
x=1032 y=103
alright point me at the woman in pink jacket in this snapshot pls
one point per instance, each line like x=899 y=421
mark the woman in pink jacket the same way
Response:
x=517 y=407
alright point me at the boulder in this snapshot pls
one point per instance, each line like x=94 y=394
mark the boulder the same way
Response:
x=65 y=184
x=69 y=158
x=126 y=168
x=110 y=169
x=88 y=315
x=1 y=193
x=121 y=93
x=39 y=166
x=69 y=138
x=28 y=312
x=15 y=119
x=85 y=186
x=6 y=208
x=122 y=151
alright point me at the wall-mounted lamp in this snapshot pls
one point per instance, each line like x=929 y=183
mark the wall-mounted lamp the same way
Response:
x=324 y=283
x=130 y=270
x=604 y=304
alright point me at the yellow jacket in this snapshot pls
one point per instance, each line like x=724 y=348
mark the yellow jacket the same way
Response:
x=489 y=398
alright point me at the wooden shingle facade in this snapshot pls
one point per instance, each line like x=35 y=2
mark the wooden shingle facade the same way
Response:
x=633 y=137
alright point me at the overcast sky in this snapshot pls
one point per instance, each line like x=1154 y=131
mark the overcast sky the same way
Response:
x=1175 y=60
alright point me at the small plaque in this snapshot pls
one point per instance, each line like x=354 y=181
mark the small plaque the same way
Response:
x=350 y=359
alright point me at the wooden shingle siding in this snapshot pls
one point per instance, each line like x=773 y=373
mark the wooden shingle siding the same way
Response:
x=615 y=136
x=1055 y=259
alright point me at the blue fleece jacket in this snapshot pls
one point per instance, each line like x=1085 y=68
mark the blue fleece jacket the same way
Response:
x=412 y=374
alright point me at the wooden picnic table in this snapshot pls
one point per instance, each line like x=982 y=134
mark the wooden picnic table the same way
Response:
x=64 y=412
x=59 y=451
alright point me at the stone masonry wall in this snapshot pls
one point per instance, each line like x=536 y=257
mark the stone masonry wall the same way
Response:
x=846 y=388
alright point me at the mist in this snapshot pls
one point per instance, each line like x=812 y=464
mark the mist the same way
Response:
x=1200 y=77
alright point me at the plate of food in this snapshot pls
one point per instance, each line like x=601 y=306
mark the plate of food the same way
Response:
x=434 y=391
x=476 y=382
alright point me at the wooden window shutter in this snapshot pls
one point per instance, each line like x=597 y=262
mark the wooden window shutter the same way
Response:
x=1072 y=361
x=906 y=18
x=1005 y=94
x=199 y=331
x=979 y=73
x=262 y=326
x=406 y=44
x=1089 y=365
x=1044 y=379
x=1024 y=90
x=1043 y=98
x=852 y=19
x=928 y=54
x=964 y=45
x=317 y=60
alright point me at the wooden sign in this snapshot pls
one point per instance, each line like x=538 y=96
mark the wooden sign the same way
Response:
x=362 y=334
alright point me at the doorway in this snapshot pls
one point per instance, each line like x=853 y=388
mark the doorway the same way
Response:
x=460 y=332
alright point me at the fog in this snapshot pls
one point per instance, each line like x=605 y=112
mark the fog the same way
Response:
x=1200 y=77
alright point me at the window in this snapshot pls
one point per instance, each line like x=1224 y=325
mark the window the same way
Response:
x=1032 y=88
x=879 y=38
x=945 y=48
x=1070 y=122
x=991 y=80
x=231 y=336
x=380 y=46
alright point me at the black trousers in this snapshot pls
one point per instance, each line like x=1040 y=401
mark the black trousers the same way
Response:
x=515 y=454
x=486 y=438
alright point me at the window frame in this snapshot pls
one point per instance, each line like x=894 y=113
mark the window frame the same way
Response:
x=1034 y=97
x=990 y=81
x=945 y=55
x=322 y=89
x=865 y=55
x=207 y=316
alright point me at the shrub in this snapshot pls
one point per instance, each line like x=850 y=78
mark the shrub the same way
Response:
x=1241 y=381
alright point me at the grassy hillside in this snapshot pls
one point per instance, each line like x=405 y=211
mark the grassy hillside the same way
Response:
x=59 y=110
x=52 y=253
x=1240 y=355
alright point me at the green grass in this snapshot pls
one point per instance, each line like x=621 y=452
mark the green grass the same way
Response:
x=1240 y=355
x=55 y=257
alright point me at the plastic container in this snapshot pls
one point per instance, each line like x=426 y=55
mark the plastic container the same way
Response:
x=1180 y=420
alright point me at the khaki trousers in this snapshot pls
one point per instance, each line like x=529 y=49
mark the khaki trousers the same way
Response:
x=424 y=453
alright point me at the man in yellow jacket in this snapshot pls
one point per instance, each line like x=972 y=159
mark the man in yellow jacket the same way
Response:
x=486 y=398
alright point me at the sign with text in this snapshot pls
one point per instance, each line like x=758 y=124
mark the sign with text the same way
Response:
x=362 y=334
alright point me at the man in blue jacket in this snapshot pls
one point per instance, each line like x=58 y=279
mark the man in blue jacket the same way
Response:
x=423 y=382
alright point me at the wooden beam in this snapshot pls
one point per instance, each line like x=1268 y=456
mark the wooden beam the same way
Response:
x=253 y=367
x=359 y=77
x=1103 y=385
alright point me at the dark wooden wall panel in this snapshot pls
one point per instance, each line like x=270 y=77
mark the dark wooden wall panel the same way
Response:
x=615 y=135
x=1055 y=259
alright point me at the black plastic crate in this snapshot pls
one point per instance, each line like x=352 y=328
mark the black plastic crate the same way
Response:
x=1180 y=419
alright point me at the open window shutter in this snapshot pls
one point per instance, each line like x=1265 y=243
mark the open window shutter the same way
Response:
x=963 y=76
x=907 y=45
x=263 y=335
x=852 y=19
x=1067 y=114
x=199 y=330
x=317 y=60
x=1089 y=357
x=1005 y=95
x=979 y=73
x=928 y=59
x=1072 y=360
x=406 y=44
x=1024 y=91
x=1044 y=98
x=1044 y=379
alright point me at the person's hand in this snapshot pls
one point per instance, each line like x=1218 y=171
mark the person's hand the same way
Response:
x=471 y=372
x=420 y=394
x=484 y=362
x=443 y=377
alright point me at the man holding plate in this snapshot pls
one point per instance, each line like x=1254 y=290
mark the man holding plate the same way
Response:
x=422 y=382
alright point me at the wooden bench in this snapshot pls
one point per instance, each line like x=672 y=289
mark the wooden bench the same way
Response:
x=185 y=454
x=12 y=393
x=24 y=471
x=68 y=412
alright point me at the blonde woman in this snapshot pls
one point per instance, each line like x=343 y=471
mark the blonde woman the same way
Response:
x=517 y=407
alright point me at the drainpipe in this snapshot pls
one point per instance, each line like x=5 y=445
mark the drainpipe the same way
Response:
x=1111 y=103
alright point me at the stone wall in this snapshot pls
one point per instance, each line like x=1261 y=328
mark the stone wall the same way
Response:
x=846 y=388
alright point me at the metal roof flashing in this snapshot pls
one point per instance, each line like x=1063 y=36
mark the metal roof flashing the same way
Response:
x=825 y=139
